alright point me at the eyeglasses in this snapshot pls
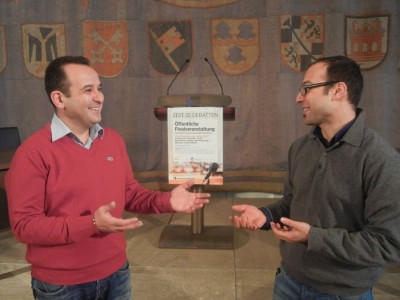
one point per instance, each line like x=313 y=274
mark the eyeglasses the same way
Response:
x=304 y=89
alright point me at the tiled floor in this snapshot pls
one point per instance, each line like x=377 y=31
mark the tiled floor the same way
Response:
x=245 y=272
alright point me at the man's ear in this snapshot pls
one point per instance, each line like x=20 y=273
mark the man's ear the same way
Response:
x=57 y=98
x=340 y=89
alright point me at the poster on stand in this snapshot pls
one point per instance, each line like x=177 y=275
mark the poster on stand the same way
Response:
x=195 y=145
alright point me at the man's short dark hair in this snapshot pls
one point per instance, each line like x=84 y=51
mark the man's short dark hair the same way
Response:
x=55 y=78
x=342 y=68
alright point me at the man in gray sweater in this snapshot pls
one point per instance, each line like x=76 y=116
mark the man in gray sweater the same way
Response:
x=339 y=217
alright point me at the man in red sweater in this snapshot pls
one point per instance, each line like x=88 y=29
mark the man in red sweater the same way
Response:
x=68 y=186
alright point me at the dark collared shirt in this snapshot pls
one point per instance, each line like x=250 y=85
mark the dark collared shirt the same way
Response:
x=336 y=138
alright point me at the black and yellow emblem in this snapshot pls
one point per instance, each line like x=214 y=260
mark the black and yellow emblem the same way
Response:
x=302 y=40
x=41 y=44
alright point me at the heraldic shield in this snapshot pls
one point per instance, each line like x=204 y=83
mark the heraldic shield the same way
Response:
x=302 y=40
x=3 y=51
x=367 y=39
x=170 y=45
x=235 y=44
x=105 y=44
x=41 y=44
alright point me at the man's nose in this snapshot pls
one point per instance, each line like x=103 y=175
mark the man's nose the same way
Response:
x=99 y=96
x=299 y=98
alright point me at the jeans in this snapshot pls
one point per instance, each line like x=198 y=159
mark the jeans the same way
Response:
x=117 y=286
x=288 y=288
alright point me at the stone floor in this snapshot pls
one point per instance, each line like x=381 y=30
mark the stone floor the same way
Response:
x=244 y=272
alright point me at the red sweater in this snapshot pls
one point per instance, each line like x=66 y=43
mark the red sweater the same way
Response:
x=54 y=188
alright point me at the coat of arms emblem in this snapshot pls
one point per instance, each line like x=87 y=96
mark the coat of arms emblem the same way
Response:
x=302 y=40
x=170 y=45
x=106 y=46
x=235 y=44
x=367 y=39
x=41 y=44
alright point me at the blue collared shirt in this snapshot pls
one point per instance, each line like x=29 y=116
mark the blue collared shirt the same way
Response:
x=59 y=130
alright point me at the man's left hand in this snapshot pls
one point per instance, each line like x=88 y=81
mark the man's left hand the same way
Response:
x=291 y=231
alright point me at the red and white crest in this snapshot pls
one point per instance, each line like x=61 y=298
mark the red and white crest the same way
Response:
x=367 y=39
x=105 y=44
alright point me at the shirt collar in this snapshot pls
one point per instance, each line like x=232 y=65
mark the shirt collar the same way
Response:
x=316 y=131
x=59 y=130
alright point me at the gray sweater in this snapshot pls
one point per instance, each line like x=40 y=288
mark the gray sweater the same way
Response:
x=350 y=195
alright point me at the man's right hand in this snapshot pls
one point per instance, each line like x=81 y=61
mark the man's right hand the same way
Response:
x=106 y=222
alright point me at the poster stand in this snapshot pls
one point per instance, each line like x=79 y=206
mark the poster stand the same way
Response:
x=196 y=236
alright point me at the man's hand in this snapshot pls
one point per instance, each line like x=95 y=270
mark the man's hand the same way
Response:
x=184 y=201
x=251 y=217
x=105 y=222
x=292 y=231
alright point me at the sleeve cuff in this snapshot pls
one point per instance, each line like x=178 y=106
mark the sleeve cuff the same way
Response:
x=268 y=215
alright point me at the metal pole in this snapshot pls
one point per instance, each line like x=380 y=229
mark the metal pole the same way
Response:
x=197 y=218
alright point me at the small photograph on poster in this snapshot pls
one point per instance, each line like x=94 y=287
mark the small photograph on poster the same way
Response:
x=195 y=141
